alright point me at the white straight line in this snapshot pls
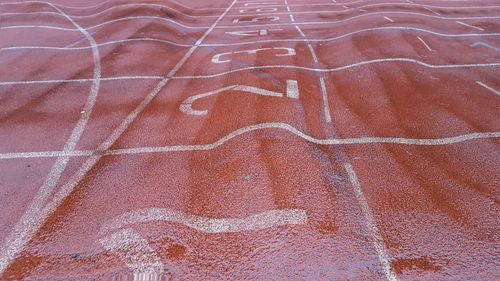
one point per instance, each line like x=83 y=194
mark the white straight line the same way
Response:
x=375 y=237
x=248 y=129
x=336 y=69
x=301 y=32
x=488 y=87
x=326 y=105
x=432 y=11
x=32 y=219
x=313 y=53
x=468 y=25
x=425 y=44
x=29 y=227
x=268 y=219
x=389 y=19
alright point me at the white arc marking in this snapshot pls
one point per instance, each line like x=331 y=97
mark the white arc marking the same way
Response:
x=372 y=228
x=268 y=219
x=186 y=106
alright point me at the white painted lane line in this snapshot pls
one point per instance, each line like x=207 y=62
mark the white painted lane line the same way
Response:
x=313 y=53
x=135 y=253
x=341 y=68
x=488 y=88
x=432 y=11
x=268 y=219
x=347 y=35
x=48 y=48
x=389 y=19
x=154 y=18
x=468 y=25
x=326 y=105
x=336 y=69
x=31 y=223
x=32 y=219
x=248 y=129
x=475 y=44
x=371 y=225
x=292 y=5
x=425 y=44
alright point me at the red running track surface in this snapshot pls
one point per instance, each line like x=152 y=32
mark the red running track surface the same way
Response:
x=250 y=140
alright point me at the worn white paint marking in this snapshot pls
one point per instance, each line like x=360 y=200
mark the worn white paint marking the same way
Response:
x=432 y=11
x=468 y=25
x=187 y=104
x=256 y=19
x=268 y=219
x=36 y=216
x=488 y=87
x=313 y=53
x=326 y=105
x=288 y=52
x=389 y=19
x=252 y=128
x=32 y=219
x=259 y=10
x=258 y=32
x=136 y=253
x=292 y=89
x=425 y=44
x=371 y=225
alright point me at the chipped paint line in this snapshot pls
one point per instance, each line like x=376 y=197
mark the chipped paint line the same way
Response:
x=371 y=226
x=268 y=219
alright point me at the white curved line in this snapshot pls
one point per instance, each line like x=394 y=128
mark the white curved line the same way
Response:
x=268 y=219
x=336 y=69
x=49 y=48
x=291 y=5
x=104 y=24
x=258 y=14
x=258 y=127
x=353 y=33
x=14 y=48
x=33 y=217
x=156 y=18
x=341 y=68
